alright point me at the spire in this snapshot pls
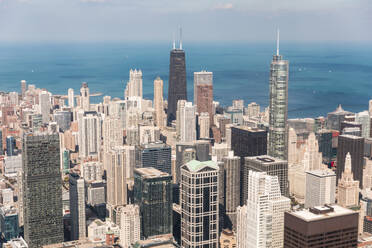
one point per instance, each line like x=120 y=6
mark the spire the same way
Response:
x=348 y=163
x=180 y=37
x=174 y=42
x=277 y=42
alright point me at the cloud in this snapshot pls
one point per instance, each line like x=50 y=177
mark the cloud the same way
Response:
x=224 y=6
x=94 y=1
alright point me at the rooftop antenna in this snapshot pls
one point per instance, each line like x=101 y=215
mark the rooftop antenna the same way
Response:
x=277 y=42
x=174 y=41
x=180 y=38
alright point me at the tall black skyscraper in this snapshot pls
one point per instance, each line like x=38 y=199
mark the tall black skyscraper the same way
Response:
x=177 y=89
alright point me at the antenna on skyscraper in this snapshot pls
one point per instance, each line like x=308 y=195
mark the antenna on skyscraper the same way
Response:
x=277 y=42
x=180 y=37
x=174 y=41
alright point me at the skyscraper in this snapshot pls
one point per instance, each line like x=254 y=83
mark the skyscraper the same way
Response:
x=199 y=204
x=348 y=188
x=186 y=121
x=134 y=85
x=157 y=155
x=203 y=93
x=320 y=188
x=77 y=207
x=90 y=134
x=158 y=102
x=84 y=97
x=42 y=189
x=23 y=88
x=130 y=225
x=71 y=100
x=44 y=105
x=153 y=193
x=204 y=125
x=260 y=223
x=10 y=145
x=278 y=131
x=177 y=88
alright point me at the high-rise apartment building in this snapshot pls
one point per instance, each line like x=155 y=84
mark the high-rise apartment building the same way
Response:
x=44 y=105
x=348 y=187
x=204 y=125
x=134 y=85
x=157 y=155
x=84 y=97
x=90 y=134
x=364 y=119
x=272 y=166
x=355 y=146
x=130 y=226
x=10 y=145
x=77 y=207
x=153 y=194
x=321 y=226
x=320 y=188
x=23 y=88
x=203 y=93
x=260 y=222
x=112 y=133
x=186 y=121
x=71 y=99
x=42 y=189
x=199 y=204
x=278 y=130
x=159 y=102
x=177 y=88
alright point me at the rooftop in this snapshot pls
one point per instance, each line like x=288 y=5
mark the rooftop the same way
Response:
x=321 y=173
x=265 y=159
x=150 y=172
x=307 y=215
x=195 y=165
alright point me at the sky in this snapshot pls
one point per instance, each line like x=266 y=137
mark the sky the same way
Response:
x=201 y=20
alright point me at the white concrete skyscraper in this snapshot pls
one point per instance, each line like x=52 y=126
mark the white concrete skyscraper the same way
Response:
x=320 y=188
x=134 y=85
x=159 y=103
x=204 y=124
x=260 y=223
x=90 y=130
x=84 y=97
x=278 y=131
x=186 y=121
x=71 y=100
x=348 y=188
x=130 y=230
x=44 y=105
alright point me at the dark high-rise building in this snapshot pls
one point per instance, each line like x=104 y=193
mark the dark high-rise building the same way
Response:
x=324 y=226
x=335 y=118
x=10 y=146
x=325 y=145
x=42 y=189
x=272 y=166
x=157 y=155
x=246 y=141
x=9 y=223
x=278 y=130
x=77 y=206
x=355 y=146
x=203 y=93
x=153 y=193
x=177 y=88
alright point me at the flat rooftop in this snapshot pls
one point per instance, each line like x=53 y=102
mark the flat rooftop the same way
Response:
x=350 y=136
x=150 y=172
x=321 y=173
x=265 y=159
x=250 y=129
x=308 y=216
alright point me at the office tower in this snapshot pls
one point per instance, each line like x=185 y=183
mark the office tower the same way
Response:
x=36 y=122
x=153 y=194
x=116 y=177
x=159 y=103
x=272 y=166
x=9 y=225
x=204 y=124
x=92 y=171
x=1 y=143
x=186 y=121
x=320 y=188
x=335 y=118
x=199 y=204
x=44 y=105
x=355 y=146
x=70 y=97
x=42 y=189
x=203 y=93
x=10 y=146
x=177 y=88
x=331 y=226
x=112 y=133
x=96 y=193
x=84 y=97
x=325 y=145
x=134 y=85
x=23 y=88
x=231 y=188
x=90 y=134
x=63 y=119
x=157 y=155
x=148 y=134
x=278 y=131
x=364 y=119
x=130 y=228
x=117 y=109
x=264 y=211
x=348 y=187
x=253 y=110
x=246 y=141
x=77 y=207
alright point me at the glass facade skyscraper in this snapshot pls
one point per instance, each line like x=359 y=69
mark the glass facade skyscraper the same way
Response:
x=278 y=131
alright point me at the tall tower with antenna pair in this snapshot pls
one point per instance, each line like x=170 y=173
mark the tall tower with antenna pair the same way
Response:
x=278 y=129
x=177 y=88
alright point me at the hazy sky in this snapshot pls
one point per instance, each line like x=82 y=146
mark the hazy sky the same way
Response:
x=202 y=20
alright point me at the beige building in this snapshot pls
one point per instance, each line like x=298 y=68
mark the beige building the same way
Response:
x=159 y=103
x=130 y=225
x=204 y=124
x=348 y=188
x=227 y=239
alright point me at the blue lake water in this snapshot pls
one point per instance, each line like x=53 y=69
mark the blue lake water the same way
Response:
x=322 y=75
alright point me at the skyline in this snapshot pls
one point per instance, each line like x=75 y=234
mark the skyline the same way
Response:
x=234 y=20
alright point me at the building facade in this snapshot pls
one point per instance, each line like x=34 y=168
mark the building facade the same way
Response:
x=77 y=207
x=320 y=188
